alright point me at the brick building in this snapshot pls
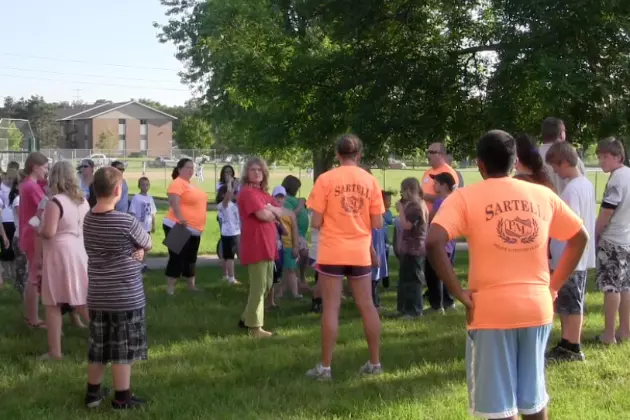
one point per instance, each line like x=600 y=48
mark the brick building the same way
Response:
x=122 y=127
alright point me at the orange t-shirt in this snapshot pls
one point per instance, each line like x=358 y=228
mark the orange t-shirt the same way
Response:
x=346 y=197
x=507 y=224
x=428 y=183
x=193 y=203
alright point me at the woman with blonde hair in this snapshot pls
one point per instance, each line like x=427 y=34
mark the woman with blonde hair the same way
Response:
x=259 y=213
x=64 y=263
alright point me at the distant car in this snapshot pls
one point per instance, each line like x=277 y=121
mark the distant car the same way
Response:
x=100 y=159
x=163 y=162
x=396 y=164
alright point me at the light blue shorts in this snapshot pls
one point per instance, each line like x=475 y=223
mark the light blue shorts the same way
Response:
x=505 y=370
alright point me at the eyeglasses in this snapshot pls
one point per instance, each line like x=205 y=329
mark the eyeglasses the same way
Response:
x=433 y=152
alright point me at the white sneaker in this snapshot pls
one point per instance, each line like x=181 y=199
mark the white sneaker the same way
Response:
x=319 y=373
x=370 y=369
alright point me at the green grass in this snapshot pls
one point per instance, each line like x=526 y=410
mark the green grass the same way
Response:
x=202 y=367
x=389 y=179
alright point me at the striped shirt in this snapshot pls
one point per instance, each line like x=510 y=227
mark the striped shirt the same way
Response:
x=115 y=278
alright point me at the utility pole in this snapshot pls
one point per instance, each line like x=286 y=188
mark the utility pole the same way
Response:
x=77 y=97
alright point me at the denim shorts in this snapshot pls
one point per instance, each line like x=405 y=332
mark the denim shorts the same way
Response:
x=505 y=370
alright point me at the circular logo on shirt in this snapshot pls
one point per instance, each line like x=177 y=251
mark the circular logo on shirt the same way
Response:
x=516 y=230
x=352 y=204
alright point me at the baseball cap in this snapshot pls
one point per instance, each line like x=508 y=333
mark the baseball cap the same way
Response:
x=83 y=162
x=279 y=190
x=445 y=178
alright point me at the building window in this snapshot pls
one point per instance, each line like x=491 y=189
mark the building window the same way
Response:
x=144 y=135
x=122 y=135
x=86 y=129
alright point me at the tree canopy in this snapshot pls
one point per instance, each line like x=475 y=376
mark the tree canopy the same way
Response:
x=281 y=74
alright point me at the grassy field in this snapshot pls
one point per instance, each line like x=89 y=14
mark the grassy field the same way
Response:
x=202 y=367
x=389 y=179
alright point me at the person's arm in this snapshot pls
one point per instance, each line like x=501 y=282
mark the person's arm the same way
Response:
x=173 y=201
x=133 y=205
x=153 y=213
x=50 y=221
x=404 y=223
x=612 y=198
x=603 y=219
x=569 y=259
x=295 y=235
x=437 y=238
x=227 y=197
x=140 y=238
x=317 y=220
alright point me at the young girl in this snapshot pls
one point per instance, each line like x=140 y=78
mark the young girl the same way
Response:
x=380 y=269
x=230 y=229
x=20 y=257
x=410 y=248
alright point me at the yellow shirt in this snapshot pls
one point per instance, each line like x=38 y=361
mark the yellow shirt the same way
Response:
x=287 y=238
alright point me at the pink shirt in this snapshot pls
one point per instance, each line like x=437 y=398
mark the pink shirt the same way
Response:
x=260 y=237
x=31 y=193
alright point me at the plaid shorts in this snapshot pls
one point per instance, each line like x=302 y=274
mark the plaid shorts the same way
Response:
x=117 y=337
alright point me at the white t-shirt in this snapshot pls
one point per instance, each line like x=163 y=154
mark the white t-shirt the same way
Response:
x=7 y=213
x=559 y=184
x=579 y=194
x=143 y=207
x=312 y=250
x=616 y=197
x=14 y=209
x=230 y=221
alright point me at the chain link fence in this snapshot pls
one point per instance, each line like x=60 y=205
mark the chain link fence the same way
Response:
x=208 y=164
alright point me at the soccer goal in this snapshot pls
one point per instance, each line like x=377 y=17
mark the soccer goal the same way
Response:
x=16 y=141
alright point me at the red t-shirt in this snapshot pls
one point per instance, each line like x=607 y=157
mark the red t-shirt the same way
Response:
x=258 y=239
x=31 y=193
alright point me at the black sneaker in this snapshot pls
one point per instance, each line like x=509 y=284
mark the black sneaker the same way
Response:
x=385 y=282
x=241 y=324
x=316 y=307
x=94 y=400
x=560 y=354
x=132 y=404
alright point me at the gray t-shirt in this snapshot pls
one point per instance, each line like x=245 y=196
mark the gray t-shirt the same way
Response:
x=559 y=184
x=616 y=198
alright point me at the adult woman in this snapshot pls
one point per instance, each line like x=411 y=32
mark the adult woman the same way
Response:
x=64 y=263
x=188 y=207
x=258 y=212
x=86 y=176
x=347 y=204
x=31 y=193
x=529 y=165
x=7 y=256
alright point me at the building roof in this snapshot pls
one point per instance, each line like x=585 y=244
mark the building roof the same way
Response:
x=95 y=111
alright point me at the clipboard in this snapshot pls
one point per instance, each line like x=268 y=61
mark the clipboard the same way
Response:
x=177 y=238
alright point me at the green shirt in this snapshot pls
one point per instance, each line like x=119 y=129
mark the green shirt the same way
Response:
x=292 y=203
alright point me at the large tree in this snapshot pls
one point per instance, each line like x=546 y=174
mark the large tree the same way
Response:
x=284 y=74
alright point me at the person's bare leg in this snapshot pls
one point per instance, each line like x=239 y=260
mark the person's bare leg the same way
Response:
x=572 y=328
x=611 y=307
x=54 y=322
x=229 y=270
x=292 y=282
x=331 y=296
x=192 y=284
x=83 y=312
x=96 y=372
x=170 y=288
x=362 y=294
x=624 y=316
x=541 y=415
x=31 y=300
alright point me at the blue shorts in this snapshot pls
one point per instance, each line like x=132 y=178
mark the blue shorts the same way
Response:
x=505 y=370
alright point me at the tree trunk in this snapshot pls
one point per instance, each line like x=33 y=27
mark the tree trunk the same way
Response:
x=322 y=162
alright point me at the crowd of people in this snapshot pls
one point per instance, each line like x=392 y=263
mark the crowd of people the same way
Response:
x=73 y=238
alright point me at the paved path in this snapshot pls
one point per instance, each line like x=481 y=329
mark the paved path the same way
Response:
x=211 y=260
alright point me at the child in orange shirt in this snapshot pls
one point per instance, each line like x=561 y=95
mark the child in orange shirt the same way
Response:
x=507 y=224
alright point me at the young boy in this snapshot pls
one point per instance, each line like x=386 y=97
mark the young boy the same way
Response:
x=388 y=220
x=230 y=229
x=508 y=224
x=143 y=208
x=579 y=194
x=290 y=249
x=115 y=243
x=612 y=235
x=444 y=186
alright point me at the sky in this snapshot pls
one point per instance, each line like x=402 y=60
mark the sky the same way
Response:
x=66 y=50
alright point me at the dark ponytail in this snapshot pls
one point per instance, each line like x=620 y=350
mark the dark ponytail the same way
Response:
x=529 y=156
x=180 y=164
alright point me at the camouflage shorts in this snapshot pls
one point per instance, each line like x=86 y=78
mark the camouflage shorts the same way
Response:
x=613 y=267
x=570 y=299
